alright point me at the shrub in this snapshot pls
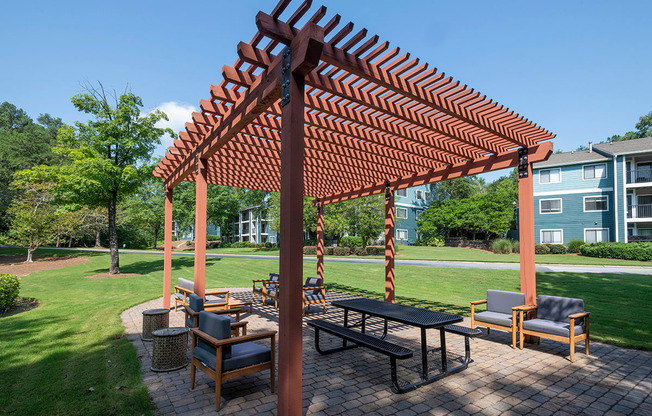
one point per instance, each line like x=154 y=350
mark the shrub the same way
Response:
x=375 y=251
x=430 y=241
x=359 y=251
x=9 y=289
x=516 y=246
x=574 y=246
x=341 y=251
x=557 y=248
x=309 y=242
x=309 y=250
x=214 y=244
x=329 y=250
x=351 y=241
x=240 y=244
x=225 y=244
x=541 y=249
x=623 y=251
x=212 y=237
x=501 y=246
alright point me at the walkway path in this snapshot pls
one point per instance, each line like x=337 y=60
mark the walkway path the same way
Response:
x=422 y=263
x=538 y=380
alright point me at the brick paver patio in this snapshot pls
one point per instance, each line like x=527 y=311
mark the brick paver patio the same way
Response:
x=538 y=380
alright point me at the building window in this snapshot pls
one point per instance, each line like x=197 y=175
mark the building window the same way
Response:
x=552 y=236
x=595 y=235
x=426 y=195
x=595 y=171
x=420 y=195
x=595 y=203
x=401 y=213
x=550 y=175
x=550 y=206
x=401 y=234
x=402 y=193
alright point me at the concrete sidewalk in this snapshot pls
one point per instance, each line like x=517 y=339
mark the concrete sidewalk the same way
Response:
x=421 y=263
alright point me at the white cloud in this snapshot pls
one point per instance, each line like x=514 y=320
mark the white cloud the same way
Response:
x=178 y=114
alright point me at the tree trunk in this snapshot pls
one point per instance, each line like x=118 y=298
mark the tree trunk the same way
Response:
x=30 y=251
x=114 y=268
x=70 y=242
x=97 y=238
x=155 y=237
x=58 y=239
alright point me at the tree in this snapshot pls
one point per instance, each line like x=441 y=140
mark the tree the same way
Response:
x=458 y=188
x=222 y=207
x=309 y=213
x=107 y=154
x=643 y=129
x=23 y=144
x=145 y=209
x=33 y=215
x=365 y=217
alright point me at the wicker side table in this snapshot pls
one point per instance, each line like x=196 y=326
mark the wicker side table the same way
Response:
x=170 y=349
x=154 y=319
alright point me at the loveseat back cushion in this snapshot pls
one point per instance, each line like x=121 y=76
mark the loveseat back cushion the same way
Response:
x=187 y=284
x=217 y=326
x=312 y=282
x=555 y=308
x=195 y=303
x=502 y=302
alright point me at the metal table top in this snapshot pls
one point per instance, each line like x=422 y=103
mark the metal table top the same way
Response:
x=423 y=318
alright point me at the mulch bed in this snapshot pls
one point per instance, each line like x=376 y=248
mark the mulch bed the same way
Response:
x=16 y=264
x=111 y=276
x=21 y=305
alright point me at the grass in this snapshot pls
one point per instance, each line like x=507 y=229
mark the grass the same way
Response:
x=461 y=254
x=52 y=355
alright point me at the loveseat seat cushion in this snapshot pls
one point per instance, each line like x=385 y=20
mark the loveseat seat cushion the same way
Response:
x=502 y=302
x=496 y=318
x=557 y=309
x=244 y=355
x=212 y=299
x=551 y=327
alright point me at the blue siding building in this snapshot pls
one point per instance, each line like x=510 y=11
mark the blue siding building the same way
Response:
x=408 y=204
x=600 y=194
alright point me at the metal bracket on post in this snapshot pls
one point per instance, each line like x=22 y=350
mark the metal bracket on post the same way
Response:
x=522 y=163
x=318 y=206
x=197 y=164
x=388 y=191
x=285 y=78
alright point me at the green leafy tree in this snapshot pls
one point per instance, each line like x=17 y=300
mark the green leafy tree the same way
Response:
x=458 y=188
x=222 y=207
x=365 y=217
x=33 y=214
x=309 y=214
x=107 y=154
x=643 y=129
x=335 y=224
x=145 y=209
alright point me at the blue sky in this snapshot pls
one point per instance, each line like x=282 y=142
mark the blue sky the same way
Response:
x=581 y=69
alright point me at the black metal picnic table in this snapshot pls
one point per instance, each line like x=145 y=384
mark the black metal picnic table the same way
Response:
x=408 y=315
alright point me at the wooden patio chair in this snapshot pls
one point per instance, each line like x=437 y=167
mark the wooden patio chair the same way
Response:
x=266 y=286
x=559 y=319
x=502 y=312
x=196 y=305
x=223 y=357
x=215 y=299
x=314 y=292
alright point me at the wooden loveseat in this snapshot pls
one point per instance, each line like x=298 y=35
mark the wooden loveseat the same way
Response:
x=215 y=299
x=502 y=312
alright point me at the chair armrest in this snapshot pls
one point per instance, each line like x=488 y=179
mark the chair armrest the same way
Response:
x=259 y=280
x=233 y=340
x=191 y=312
x=519 y=307
x=314 y=288
x=216 y=292
x=479 y=302
x=182 y=289
x=579 y=315
x=526 y=308
x=239 y=324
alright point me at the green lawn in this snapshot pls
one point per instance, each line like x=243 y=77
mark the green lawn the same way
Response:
x=52 y=355
x=461 y=254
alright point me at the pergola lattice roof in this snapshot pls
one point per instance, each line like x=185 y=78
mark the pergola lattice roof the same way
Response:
x=373 y=114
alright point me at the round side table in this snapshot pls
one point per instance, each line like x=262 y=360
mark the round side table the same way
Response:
x=154 y=319
x=170 y=347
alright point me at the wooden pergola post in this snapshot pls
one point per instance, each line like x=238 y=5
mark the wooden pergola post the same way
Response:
x=526 y=233
x=167 y=256
x=390 y=249
x=201 y=197
x=320 y=241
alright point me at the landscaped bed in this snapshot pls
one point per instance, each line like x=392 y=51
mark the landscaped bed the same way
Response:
x=53 y=355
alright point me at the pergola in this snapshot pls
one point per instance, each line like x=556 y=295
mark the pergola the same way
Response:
x=316 y=109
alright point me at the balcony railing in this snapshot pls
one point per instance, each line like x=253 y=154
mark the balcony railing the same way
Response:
x=639 y=238
x=640 y=175
x=639 y=211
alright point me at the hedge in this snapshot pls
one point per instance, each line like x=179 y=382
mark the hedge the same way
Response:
x=9 y=289
x=623 y=251
x=346 y=251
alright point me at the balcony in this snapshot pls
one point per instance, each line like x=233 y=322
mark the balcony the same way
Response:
x=640 y=175
x=639 y=211
x=639 y=238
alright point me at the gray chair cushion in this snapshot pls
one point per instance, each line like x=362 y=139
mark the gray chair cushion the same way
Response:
x=554 y=308
x=274 y=277
x=217 y=326
x=195 y=303
x=502 y=302
x=494 y=318
x=186 y=284
x=242 y=355
x=551 y=327
x=310 y=282
x=258 y=289
x=178 y=296
x=212 y=299
x=317 y=297
x=189 y=322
